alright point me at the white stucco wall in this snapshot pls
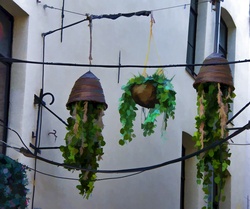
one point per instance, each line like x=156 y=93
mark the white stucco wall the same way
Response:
x=158 y=188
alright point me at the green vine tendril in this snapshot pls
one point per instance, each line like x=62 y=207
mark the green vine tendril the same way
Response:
x=84 y=142
x=213 y=103
x=127 y=106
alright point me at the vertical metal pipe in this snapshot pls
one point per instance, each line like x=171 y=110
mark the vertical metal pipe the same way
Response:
x=217 y=26
x=62 y=18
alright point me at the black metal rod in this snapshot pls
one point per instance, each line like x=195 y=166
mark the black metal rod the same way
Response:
x=44 y=105
x=49 y=147
x=62 y=20
x=36 y=150
x=61 y=28
x=229 y=121
x=119 y=68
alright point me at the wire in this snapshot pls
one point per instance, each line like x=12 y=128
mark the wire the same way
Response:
x=13 y=60
x=16 y=134
x=27 y=152
x=109 y=16
x=68 y=11
x=239 y=144
x=153 y=10
x=7 y=145
x=65 y=178
x=142 y=169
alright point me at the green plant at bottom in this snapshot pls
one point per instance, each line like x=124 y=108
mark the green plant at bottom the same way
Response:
x=84 y=142
x=127 y=106
x=13 y=184
x=213 y=107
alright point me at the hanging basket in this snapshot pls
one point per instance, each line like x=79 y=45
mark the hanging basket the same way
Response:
x=153 y=92
x=215 y=73
x=87 y=88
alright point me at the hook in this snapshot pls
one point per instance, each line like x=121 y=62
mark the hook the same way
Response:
x=52 y=96
x=53 y=133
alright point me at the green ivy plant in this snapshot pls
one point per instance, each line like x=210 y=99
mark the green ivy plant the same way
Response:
x=165 y=96
x=13 y=184
x=213 y=107
x=84 y=142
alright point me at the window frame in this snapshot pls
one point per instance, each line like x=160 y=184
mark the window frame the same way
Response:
x=6 y=89
x=192 y=46
x=223 y=49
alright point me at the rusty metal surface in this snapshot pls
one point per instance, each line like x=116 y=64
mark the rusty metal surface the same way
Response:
x=215 y=73
x=87 y=88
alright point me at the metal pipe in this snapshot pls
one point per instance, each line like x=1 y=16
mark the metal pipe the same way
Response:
x=217 y=26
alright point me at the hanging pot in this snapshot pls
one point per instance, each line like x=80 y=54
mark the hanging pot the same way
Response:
x=215 y=73
x=144 y=94
x=87 y=88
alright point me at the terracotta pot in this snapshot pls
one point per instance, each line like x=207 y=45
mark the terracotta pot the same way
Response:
x=144 y=94
x=87 y=88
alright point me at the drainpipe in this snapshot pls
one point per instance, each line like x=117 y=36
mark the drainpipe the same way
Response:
x=216 y=3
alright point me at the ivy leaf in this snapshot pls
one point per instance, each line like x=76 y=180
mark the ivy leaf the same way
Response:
x=121 y=142
x=224 y=166
x=211 y=153
x=217 y=179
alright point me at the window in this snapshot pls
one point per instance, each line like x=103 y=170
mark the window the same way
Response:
x=192 y=35
x=223 y=38
x=6 y=26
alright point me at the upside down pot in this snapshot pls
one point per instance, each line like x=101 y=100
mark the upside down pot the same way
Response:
x=219 y=73
x=87 y=88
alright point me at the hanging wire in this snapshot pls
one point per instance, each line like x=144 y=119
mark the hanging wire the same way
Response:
x=137 y=169
x=158 y=9
x=66 y=178
x=13 y=60
x=247 y=144
x=110 y=16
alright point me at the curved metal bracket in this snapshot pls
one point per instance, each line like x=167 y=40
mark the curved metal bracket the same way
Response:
x=50 y=94
x=39 y=100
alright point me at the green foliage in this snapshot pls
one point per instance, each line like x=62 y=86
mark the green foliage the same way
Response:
x=84 y=142
x=127 y=106
x=13 y=184
x=213 y=108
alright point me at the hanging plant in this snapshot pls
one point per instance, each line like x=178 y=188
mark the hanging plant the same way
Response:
x=214 y=94
x=154 y=92
x=84 y=140
x=13 y=184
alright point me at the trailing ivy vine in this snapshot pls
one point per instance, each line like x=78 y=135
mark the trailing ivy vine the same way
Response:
x=13 y=184
x=84 y=141
x=165 y=96
x=213 y=107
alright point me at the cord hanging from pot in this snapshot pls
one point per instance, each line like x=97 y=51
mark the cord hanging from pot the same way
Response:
x=152 y=21
x=159 y=71
x=89 y=17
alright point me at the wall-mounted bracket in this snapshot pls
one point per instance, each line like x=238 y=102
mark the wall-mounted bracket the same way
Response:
x=37 y=150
